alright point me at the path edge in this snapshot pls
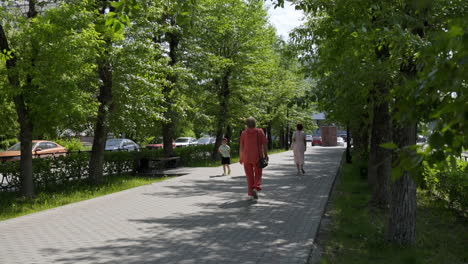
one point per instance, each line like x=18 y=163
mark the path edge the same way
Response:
x=315 y=251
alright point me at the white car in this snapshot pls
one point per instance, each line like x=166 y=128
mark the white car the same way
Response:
x=340 y=141
x=185 y=142
x=121 y=144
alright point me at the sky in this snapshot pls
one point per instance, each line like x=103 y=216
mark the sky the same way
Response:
x=285 y=19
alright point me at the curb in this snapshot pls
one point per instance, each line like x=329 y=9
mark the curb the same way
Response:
x=338 y=173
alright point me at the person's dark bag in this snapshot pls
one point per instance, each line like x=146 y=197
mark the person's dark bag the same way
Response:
x=262 y=162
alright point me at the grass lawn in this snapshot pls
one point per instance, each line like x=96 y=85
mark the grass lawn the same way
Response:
x=11 y=206
x=354 y=234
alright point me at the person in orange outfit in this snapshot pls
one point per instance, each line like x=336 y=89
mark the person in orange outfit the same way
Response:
x=253 y=144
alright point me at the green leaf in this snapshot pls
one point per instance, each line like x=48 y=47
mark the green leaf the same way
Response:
x=111 y=15
x=118 y=26
x=389 y=145
x=397 y=172
x=116 y=4
x=436 y=140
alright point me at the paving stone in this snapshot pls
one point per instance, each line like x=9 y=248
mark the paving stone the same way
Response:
x=196 y=218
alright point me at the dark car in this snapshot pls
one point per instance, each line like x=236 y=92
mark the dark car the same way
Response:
x=121 y=144
x=316 y=141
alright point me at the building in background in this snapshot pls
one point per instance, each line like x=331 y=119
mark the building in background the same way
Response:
x=326 y=130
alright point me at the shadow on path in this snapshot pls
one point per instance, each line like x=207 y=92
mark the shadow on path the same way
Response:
x=223 y=227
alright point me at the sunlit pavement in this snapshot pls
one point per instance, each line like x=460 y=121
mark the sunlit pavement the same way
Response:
x=198 y=218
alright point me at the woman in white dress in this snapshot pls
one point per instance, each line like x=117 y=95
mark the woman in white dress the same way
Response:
x=299 y=147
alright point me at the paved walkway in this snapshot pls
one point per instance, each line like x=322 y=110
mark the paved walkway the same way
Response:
x=198 y=218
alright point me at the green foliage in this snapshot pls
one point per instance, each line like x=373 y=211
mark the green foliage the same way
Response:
x=8 y=117
x=450 y=185
x=389 y=145
x=72 y=145
x=138 y=67
x=234 y=43
x=199 y=155
x=7 y=143
x=49 y=171
x=118 y=162
x=54 y=53
x=416 y=48
x=354 y=234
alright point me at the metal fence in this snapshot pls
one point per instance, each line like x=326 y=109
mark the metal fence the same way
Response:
x=52 y=169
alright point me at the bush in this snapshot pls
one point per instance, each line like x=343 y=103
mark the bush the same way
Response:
x=194 y=155
x=7 y=143
x=74 y=166
x=71 y=144
x=451 y=185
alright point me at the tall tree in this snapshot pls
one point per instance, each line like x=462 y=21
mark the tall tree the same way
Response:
x=42 y=77
x=104 y=70
x=176 y=22
x=236 y=44
x=111 y=17
x=403 y=32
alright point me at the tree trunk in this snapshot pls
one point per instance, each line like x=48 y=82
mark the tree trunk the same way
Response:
x=26 y=126
x=281 y=137
x=361 y=144
x=286 y=132
x=361 y=139
x=286 y=138
x=348 y=146
x=168 y=137
x=223 y=96
x=219 y=134
x=270 y=141
x=402 y=223
x=169 y=115
x=379 y=166
x=96 y=163
x=26 y=130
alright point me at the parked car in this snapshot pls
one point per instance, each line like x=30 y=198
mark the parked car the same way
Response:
x=316 y=141
x=340 y=141
x=157 y=143
x=206 y=141
x=185 y=142
x=421 y=139
x=309 y=138
x=40 y=149
x=121 y=144
x=344 y=136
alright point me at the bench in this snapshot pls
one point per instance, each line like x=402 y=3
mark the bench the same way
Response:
x=150 y=164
